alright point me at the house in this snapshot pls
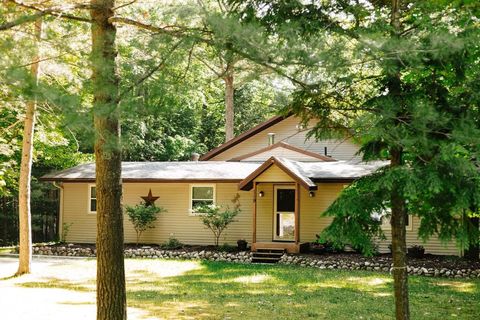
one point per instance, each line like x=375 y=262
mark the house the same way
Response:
x=284 y=182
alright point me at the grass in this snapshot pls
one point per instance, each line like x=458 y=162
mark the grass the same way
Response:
x=169 y=289
x=6 y=249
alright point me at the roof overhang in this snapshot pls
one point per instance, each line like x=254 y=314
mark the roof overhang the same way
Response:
x=247 y=183
x=143 y=180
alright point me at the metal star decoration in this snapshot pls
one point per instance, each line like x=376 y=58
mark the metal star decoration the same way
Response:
x=150 y=199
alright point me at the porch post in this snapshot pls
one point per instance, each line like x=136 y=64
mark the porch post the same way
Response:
x=254 y=213
x=297 y=213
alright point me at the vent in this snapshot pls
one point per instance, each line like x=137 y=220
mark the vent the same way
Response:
x=271 y=138
x=195 y=156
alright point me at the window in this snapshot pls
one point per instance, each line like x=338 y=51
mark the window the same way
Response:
x=200 y=195
x=92 y=199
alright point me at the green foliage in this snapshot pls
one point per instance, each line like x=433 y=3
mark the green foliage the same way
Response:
x=217 y=219
x=172 y=243
x=227 y=248
x=353 y=220
x=143 y=216
x=65 y=230
x=415 y=91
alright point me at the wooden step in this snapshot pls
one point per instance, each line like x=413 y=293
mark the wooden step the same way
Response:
x=267 y=255
x=261 y=253
x=264 y=260
x=271 y=250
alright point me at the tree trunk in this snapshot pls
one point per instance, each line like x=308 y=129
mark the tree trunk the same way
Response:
x=111 y=296
x=24 y=190
x=399 y=246
x=229 y=112
x=399 y=211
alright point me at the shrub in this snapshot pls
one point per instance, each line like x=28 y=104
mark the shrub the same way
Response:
x=227 y=248
x=416 y=251
x=172 y=243
x=142 y=216
x=65 y=230
x=216 y=219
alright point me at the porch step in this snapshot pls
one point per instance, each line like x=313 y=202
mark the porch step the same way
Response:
x=267 y=255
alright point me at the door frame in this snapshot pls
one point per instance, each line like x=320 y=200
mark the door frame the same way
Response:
x=289 y=186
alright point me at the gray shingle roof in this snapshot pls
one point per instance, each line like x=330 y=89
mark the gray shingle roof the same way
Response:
x=332 y=170
x=220 y=170
x=163 y=171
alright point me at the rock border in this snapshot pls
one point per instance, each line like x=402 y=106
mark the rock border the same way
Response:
x=378 y=266
x=372 y=264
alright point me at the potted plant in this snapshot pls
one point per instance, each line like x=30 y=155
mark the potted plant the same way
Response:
x=321 y=247
x=416 y=251
x=242 y=245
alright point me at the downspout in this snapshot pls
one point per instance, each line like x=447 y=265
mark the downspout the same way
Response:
x=60 y=211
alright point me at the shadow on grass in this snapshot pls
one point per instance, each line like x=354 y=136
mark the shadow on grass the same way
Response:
x=9 y=277
x=234 y=291
x=54 y=283
x=220 y=290
x=214 y=290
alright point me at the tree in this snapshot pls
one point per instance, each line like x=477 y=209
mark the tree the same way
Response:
x=142 y=216
x=111 y=295
x=217 y=219
x=25 y=215
x=399 y=79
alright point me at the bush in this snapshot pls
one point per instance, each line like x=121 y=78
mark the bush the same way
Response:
x=217 y=220
x=172 y=243
x=416 y=251
x=227 y=248
x=65 y=230
x=143 y=216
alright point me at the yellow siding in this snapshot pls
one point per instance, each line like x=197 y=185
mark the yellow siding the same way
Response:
x=274 y=174
x=265 y=213
x=287 y=131
x=83 y=225
x=433 y=245
x=311 y=223
x=176 y=222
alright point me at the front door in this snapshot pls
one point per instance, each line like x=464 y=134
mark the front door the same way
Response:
x=284 y=213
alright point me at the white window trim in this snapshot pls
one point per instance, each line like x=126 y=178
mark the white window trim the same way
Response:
x=90 y=198
x=190 y=198
x=387 y=226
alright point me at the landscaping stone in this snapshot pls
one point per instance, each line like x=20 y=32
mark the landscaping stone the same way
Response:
x=425 y=267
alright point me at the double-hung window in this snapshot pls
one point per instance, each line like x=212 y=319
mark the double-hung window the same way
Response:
x=92 y=198
x=201 y=195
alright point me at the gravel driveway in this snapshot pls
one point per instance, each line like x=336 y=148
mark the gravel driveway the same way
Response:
x=30 y=297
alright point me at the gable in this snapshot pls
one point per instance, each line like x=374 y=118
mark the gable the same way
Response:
x=274 y=174
x=282 y=150
x=286 y=130
x=277 y=170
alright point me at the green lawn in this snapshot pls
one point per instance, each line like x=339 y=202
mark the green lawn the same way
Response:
x=209 y=290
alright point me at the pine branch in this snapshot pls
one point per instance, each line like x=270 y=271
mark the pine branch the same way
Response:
x=174 y=31
x=58 y=12
x=124 y=5
x=21 y=20
x=153 y=70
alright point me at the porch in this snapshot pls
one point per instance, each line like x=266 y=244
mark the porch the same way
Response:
x=286 y=206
